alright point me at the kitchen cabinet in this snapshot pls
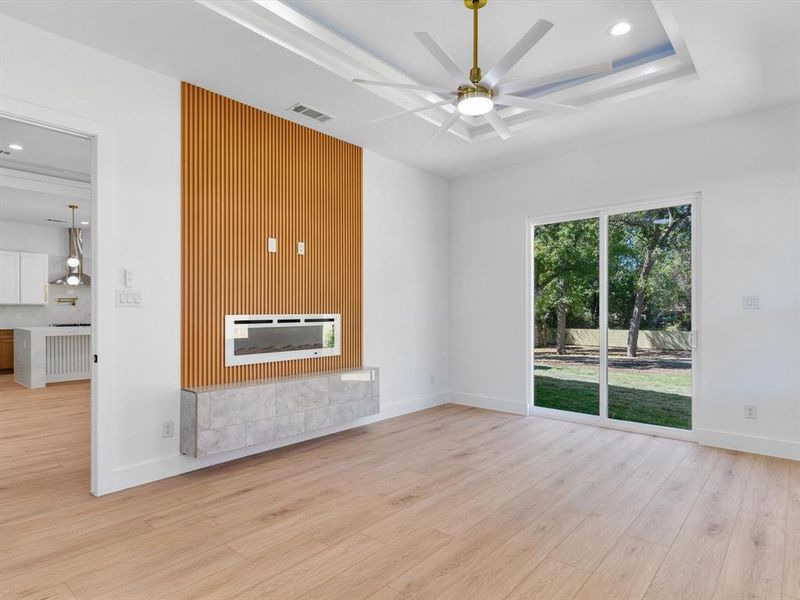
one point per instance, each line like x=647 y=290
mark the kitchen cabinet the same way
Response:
x=9 y=277
x=23 y=278
x=6 y=350
x=32 y=278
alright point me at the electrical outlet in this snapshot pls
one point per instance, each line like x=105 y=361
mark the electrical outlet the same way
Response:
x=301 y=248
x=167 y=429
x=751 y=302
x=272 y=245
x=750 y=411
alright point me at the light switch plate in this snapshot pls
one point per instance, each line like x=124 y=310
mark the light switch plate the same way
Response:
x=272 y=245
x=128 y=278
x=128 y=298
x=301 y=248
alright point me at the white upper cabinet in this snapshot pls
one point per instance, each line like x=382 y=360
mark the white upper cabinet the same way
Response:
x=32 y=278
x=9 y=277
x=23 y=278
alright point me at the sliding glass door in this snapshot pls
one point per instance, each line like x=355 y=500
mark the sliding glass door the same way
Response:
x=612 y=315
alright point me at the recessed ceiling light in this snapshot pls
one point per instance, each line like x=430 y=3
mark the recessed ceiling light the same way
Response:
x=15 y=146
x=84 y=222
x=620 y=28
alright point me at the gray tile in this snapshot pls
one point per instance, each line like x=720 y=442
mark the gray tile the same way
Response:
x=303 y=394
x=316 y=418
x=286 y=425
x=268 y=430
x=349 y=387
x=203 y=410
x=376 y=383
x=327 y=417
x=212 y=441
x=241 y=405
x=188 y=423
x=366 y=408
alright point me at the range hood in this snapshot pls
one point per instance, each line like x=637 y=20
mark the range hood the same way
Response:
x=75 y=250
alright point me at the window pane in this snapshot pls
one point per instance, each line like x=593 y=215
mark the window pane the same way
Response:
x=566 y=359
x=649 y=317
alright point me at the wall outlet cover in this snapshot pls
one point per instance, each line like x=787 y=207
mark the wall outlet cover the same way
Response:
x=301 y=248
x=167 y=429
x=751 y=302
x=750 y=411
x=272 y=245
x=128 y=298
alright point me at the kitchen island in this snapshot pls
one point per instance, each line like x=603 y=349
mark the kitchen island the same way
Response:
x=44 y=355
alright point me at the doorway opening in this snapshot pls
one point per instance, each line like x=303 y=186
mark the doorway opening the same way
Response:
x=47 y=307
x=613 y=316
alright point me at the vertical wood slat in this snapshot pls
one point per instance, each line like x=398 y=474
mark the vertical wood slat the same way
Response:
x=246 y=176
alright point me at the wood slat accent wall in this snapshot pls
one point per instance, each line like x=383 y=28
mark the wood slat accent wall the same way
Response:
x=248 y=175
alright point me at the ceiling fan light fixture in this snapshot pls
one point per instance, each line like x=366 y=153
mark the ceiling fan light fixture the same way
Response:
x=475 y=102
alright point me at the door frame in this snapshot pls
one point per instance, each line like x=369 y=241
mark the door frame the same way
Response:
x=101 y=136
x=602 y=213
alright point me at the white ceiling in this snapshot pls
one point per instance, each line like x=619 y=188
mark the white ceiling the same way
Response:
x=579 y=37
x=44 y=150
x=40 y=208
x=39 y=182
x=746 y=54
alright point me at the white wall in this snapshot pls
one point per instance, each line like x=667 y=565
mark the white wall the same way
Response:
x=748 y=170
x=405 y=282
x=140 y=111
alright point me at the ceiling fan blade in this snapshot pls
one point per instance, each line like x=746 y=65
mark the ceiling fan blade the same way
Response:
x=406 y=86
x=410 y=112
x=456 y=75
x=496 y=121
x=524 y=85
x=513 y=56
x=535 y=104
x=446 y=125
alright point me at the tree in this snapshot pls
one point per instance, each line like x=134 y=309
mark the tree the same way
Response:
x=566 y=276
x=645 y=248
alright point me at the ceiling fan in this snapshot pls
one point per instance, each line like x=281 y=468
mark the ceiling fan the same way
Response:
x=478 y=94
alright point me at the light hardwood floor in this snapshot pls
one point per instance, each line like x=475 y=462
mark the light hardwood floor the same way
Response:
x=452 y=503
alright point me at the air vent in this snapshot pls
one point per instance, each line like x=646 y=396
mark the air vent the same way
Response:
x=56 y=220
x=310 y=112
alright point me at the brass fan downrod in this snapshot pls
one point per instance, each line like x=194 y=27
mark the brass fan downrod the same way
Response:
x=475 y=5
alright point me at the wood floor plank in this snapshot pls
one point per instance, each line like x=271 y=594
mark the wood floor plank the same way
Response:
x=511 y=561
x=753 y=567
x=550 y=580
x=723 y=492
x=444 y=568
x=693 y=564
x=767 y=491
x=587 y=546
x=370 y=575
x=791 y=569
x=662 y=518
x=305 y=576
x=626 y=572
x=237 y=578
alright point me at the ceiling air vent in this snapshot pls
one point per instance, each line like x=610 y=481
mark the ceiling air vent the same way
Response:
x=310 y=112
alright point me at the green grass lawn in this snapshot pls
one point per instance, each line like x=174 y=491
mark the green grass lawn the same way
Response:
x=657 y=397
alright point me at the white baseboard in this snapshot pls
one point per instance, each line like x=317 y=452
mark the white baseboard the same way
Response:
x=137 y=474
x=748 y=443
x=516 y=407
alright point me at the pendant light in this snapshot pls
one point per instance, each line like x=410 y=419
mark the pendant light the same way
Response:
x=73 y=261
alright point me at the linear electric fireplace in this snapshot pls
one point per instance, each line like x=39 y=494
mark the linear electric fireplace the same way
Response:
x=251 y=339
